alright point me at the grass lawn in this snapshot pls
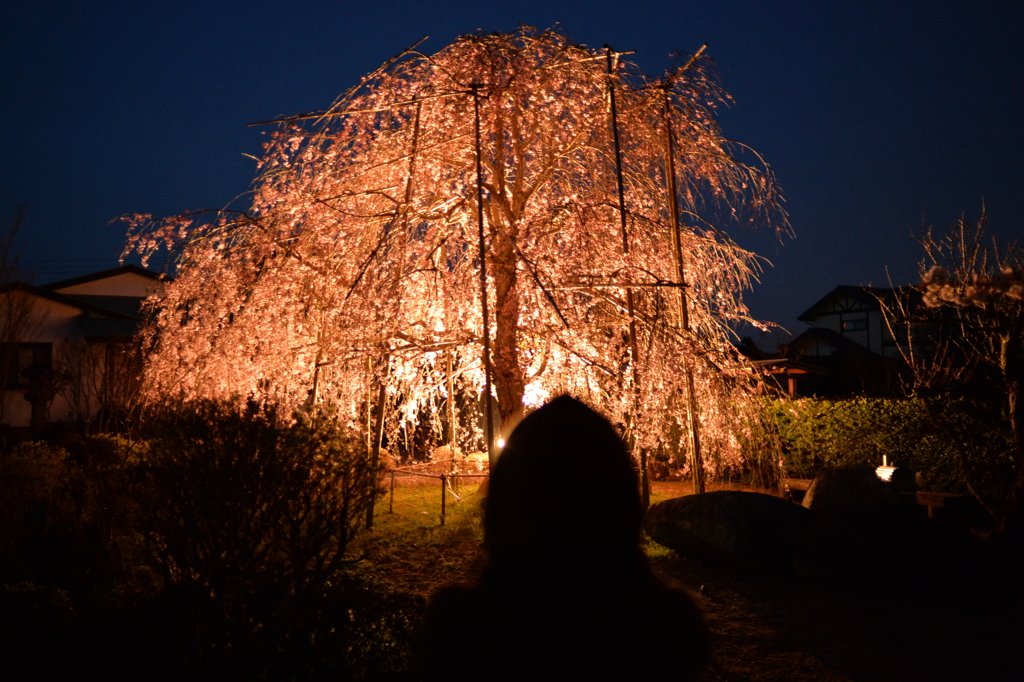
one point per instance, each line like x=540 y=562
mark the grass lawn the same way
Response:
x=409 y=549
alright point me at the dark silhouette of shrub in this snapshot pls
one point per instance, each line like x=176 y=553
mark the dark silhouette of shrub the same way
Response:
x=212 y=547
x=251 y=514
x=34 y=488
x=67 y=518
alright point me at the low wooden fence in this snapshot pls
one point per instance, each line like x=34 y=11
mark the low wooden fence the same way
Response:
x=446 y=478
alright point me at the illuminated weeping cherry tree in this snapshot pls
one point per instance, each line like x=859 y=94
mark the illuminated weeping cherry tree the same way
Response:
x=514 y=200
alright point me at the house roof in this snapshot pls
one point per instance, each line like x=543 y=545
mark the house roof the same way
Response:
x=867 y=295
x=128 y=305
x=73 y=301
x=104 y=274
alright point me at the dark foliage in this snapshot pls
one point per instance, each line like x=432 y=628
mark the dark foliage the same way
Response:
x=958 y=445
x=67 y=519
x=213 y=548
x=252 y=515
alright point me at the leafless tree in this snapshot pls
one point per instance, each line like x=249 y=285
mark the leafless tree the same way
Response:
x=99 y=381
x=969 y=320
x=19 y=316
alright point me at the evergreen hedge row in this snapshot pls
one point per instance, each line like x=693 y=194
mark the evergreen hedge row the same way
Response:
x=927 y=436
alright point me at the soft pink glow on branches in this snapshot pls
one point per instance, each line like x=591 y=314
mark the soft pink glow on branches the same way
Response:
x=360 y=245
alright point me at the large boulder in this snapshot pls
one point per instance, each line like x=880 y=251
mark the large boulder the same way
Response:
x=742 y=529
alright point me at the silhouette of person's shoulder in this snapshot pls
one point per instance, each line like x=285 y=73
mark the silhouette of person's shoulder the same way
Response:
x=649 y=632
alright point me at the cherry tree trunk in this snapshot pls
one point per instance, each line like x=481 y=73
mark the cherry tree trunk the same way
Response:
x=508 y=374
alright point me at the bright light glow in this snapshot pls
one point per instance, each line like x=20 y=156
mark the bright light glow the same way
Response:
x=535 y=395
x=501 y=443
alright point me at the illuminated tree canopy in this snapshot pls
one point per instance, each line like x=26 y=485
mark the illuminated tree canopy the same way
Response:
x=358 y=261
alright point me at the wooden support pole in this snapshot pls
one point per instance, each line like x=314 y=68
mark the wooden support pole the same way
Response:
x=492 y=453
x=692 y=415
x=452 y=417
x=378 y=432
x=645 y=484
x=369 y=404
x=451 y=403
x=444 y=496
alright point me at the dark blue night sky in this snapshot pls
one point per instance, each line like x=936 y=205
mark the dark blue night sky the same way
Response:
x=874 y=117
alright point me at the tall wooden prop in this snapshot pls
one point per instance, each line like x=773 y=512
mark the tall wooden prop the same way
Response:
x=452 y=422
x=645 y=484
x=378 y=428
x=452 y=415
x=403 y=217
x=492 y=454
x=692 y=416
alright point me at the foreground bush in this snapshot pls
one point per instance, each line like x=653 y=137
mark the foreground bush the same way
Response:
x=67 y=518
x=254 y=512
x=213 y=547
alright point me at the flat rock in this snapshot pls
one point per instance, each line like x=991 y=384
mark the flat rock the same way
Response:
x=743 y=529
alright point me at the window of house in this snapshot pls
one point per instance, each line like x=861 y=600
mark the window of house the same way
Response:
x=17 y=358
x=855 y=325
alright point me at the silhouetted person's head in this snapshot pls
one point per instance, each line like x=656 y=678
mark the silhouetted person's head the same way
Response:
x=568 y=593
x=563 y=493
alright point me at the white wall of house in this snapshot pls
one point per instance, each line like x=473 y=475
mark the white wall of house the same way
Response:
x=61 y=325
x=53 y=323
x=858 y=322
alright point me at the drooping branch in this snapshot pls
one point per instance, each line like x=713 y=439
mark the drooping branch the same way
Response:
x=364 y=237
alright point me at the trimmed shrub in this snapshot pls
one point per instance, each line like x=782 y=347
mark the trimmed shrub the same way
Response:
x=34 y=506
x=67 y=518
x=251 y=514
x=926 y=437
x=215 y=548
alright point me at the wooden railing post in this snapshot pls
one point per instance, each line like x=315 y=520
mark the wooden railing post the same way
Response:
x=444 y=488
